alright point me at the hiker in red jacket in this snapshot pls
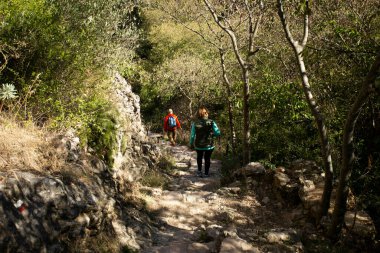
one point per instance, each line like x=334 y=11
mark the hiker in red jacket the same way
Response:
x=171 y=124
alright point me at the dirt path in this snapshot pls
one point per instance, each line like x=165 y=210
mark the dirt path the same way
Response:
x=188 y=203
x=198 y=215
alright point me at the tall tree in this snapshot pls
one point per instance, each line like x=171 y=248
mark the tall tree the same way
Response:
x=221 y=16
x=347 y=149
x=298 y=48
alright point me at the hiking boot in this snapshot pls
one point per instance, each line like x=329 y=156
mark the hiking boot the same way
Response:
x=199 y=173
x=206 y=175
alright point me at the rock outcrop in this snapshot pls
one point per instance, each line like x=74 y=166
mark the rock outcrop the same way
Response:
x=301 y=185
x=84 y=202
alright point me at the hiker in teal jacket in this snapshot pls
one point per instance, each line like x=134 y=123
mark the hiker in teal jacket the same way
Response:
x=203 y=132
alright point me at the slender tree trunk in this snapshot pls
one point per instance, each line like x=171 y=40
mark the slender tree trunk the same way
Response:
x=246 y=126
x=229 y=100
x=322 y=130
x=191 y=108
x=298 y=48
x=190 y=100
x=347 y=149
x=245 y=78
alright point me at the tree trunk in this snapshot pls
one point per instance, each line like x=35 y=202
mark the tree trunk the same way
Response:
x=322 y=130
x=246 y=130
x=191 y=108
x=319 y=119
x=347 y=149
x=229 y=100
x=190 y=101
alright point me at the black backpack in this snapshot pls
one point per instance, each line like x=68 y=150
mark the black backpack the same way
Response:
x=204 y=133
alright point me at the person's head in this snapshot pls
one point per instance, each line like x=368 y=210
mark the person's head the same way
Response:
x=202 y=112
x=170 y=111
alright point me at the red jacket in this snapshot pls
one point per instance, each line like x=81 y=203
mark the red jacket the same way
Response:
x=166 y=127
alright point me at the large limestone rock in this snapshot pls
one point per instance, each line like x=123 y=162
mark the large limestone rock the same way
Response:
x=130 y=132
x=43 y=212
x=129 y=105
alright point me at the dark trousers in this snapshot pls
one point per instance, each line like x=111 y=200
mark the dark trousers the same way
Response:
x=207 y=156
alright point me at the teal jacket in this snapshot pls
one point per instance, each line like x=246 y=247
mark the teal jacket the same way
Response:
x=216 y=132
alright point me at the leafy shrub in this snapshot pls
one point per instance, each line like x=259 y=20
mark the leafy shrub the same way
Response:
x=166 y=163
x=69 y=45
x=98 y=129
x=154 y=179
x=283 y=128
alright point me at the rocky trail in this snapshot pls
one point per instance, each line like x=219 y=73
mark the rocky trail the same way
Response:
x=199 y=215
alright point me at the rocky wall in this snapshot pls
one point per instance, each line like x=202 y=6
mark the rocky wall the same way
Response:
x=51 y=211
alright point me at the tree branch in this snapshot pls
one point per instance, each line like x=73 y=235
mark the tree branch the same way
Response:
x=305 y=25
x=213 y=13
x=3 y=64
x=229 y=32
x=288 y=34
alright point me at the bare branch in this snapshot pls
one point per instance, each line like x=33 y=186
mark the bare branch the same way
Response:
x=3 y=64
x=214 y=15
x=210 y=27
x=306 y=25
x=229 y=32
x=198 y=32
x=208 y=40
x=285 y=24
x=253 y=29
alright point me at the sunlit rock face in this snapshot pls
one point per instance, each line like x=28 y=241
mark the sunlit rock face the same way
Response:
x=130 y=131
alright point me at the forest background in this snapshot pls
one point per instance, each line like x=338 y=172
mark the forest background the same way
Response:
x=57 y=60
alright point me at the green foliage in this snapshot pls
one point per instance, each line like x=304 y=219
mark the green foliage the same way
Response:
x=283 y=128
x=98 y=129
x=178 y=68
x=59 y=54
x=69 y=45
